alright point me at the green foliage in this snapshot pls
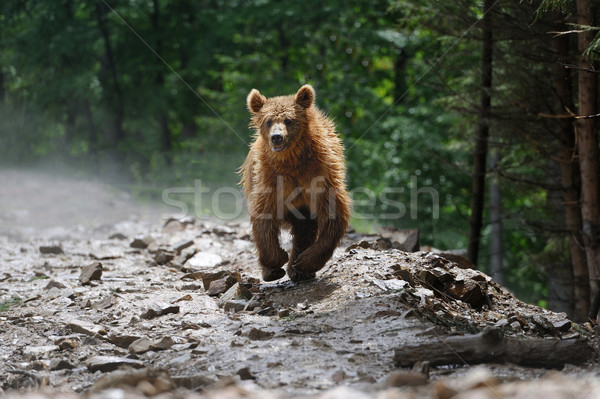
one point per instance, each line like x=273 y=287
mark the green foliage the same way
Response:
x=6 y=304
x=563 y=6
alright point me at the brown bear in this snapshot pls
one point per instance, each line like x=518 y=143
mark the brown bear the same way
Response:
x=294 y=177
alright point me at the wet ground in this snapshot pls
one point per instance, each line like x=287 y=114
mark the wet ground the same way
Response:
x=103 y=297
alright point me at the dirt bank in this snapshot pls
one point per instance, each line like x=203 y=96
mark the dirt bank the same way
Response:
x=101 y=298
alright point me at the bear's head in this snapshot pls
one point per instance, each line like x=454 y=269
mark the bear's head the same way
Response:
x=281 y=121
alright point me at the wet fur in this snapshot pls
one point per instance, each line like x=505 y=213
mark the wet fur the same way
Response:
x=313 y=151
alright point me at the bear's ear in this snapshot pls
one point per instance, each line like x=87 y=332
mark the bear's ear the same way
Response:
x=305 y=96
x=255 y=101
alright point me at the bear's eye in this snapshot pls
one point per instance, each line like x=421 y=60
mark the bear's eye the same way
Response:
x=287 y=121
x=269 y=123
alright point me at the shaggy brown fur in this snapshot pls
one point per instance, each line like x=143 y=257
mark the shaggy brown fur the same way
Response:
x=293 y=178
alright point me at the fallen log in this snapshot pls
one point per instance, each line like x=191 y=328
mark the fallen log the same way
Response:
x=491 y=346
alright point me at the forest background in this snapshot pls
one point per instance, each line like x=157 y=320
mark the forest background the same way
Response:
x=482 y=106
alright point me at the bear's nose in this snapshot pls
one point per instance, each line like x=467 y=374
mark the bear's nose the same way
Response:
x=277 y=138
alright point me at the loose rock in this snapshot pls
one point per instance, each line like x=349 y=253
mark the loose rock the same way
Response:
x=54 y=284
x=181 y=245
x=90 y=273
x=110 y=363
x=60 y=364
x=157 y=311
x=85 y=327
x=220 y=286
x=245 y=374
x=163 y=256
x=204 y=259
x=256 y=334
x=142 y=242
x=51 y=250
x=122 y=340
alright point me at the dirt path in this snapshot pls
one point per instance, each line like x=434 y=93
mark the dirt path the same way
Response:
x=100 y=298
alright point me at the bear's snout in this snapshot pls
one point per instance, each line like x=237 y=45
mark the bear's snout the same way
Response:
x=277 y=138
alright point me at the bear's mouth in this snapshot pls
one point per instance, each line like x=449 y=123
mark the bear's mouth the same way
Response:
x=279 y=147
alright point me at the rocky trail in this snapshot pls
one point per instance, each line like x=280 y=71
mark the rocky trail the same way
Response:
x=101 y=297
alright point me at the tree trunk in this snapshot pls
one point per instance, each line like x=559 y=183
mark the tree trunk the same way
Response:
x=587 y=140
x=400 y=87
x=2 y=84
x=167 y=143
x=569 y=178
x=481 y=142
x=491 y=346
x=117 y=134
x=92 y=134
x=69 y=130
x=496 y=221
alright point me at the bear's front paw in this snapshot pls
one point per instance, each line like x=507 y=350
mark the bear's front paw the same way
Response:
x=298 y=270
x=297 y=276
x=274 y=261
x=272 y=274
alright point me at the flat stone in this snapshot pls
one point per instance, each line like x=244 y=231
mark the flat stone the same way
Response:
x=60 y=364
x=222 y=230
x=208 y=277
x=144 y=344
x=90 y=273
x=141 y=345
x=391 y=285
x=142 y=242
x=157 y=310
x=221 y=285
x=563 y=325
x=256 y=334
x=122 y=340
x=54 y=284
x=51 y=250
x=163 y=256
x=236 y=291
x=85 y=327
x=542 y=324
x=204 y=259
x=110 y=363
x=181 y=245
x=162 y=344
x=237 y=305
